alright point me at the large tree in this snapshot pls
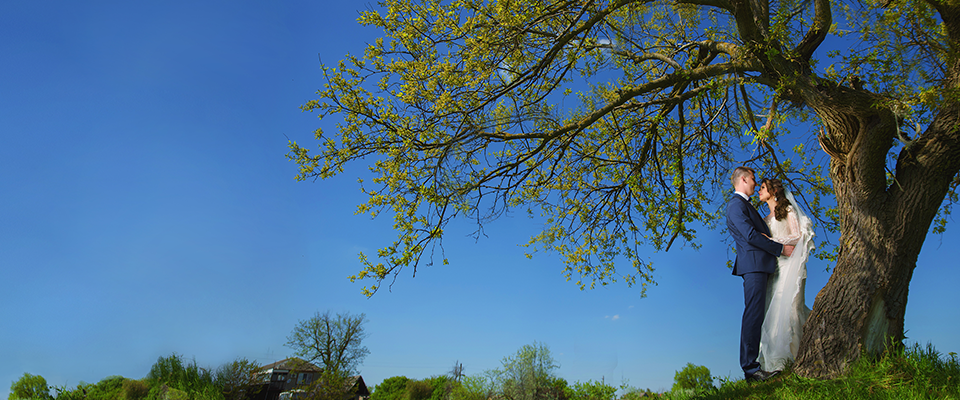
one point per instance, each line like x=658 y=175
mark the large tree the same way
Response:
x=238 y=379
x=29 y=387
x=529 y=375
x=333 y=341
x=620 y=121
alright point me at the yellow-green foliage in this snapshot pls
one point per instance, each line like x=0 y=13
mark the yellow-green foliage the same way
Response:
x=392 y=388
x=695 y=377
x=616 y=121
x=173 y=378
x=29 y=387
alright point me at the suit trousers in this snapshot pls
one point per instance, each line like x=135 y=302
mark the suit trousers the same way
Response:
x=754 y=299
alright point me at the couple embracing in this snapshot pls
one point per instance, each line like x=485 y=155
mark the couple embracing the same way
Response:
x=771 y=258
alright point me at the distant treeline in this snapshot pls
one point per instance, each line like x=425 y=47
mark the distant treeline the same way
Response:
x=171 y=378
x=527 y=375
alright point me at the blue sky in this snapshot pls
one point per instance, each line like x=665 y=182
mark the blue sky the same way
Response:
x=147 y=208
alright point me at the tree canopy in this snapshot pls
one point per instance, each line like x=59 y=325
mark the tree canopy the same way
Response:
x=619 y=121
x=335 y=341
x=695 y=377
x=30 y=387
x=460 y=108
x=237 y=379
x=529 y=375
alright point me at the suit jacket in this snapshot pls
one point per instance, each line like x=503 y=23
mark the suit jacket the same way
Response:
x=755 y=252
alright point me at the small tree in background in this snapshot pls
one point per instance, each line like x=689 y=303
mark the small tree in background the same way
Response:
x=390 y=389
x=29 y=387
x=236 y=378
x=333 y=342
x=529 y=375
x=695 y=377
x=481 y=387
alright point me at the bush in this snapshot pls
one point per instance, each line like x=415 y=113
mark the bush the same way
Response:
x=442 y=386
x=591 y=391
x=418 y=390
x=30 y=387
x=436 y=388
x=135 y=390
x=390 y=389
x=171 y=372
x=109 y=388
x=692 y=377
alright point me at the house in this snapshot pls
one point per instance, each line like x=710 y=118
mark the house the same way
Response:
x=292 y=378
x=357 y=389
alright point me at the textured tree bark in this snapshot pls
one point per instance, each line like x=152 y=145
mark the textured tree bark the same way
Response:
x=883 y=224
x=862 y=307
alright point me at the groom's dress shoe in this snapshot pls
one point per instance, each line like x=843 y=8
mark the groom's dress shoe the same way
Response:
x=761 y=376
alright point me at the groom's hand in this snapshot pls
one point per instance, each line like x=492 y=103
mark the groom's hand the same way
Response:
x=788 y=250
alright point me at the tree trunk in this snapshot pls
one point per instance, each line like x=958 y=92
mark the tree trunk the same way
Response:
x=861 y=309
x=883 y=225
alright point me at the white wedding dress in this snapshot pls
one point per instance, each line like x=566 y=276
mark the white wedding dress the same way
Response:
x=786 y=309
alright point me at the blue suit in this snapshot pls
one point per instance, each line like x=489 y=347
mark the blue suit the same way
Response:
x=756 y=259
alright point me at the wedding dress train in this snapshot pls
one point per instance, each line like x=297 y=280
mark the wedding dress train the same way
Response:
x=786 y=309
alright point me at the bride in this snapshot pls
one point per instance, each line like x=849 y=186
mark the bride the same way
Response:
x=786 y=310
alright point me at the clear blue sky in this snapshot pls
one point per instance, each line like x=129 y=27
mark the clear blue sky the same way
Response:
x=146 y=208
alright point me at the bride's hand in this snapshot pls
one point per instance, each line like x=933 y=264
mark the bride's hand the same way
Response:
x=787 y=250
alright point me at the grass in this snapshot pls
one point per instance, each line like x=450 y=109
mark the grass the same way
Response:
x=908 y=373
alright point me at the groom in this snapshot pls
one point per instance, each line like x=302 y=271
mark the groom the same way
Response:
x=756 y=260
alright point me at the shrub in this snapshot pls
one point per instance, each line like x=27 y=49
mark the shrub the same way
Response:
x=172 y=372
x=390 y=389
x=109 y=388
x=591 y=391
x=30 y=387
x=135 y=390
x=418 y=390
x=442 y=386
x=693 y=377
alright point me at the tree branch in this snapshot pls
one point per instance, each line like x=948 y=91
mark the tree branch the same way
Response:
x=822 y=20
x=722 y=4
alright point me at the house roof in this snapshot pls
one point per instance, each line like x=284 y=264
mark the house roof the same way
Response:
x=292 y=364
x=357 y=382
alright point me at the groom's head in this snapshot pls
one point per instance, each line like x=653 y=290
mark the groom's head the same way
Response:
x=744 y=180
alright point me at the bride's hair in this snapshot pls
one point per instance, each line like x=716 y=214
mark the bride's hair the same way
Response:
x=775 y=187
